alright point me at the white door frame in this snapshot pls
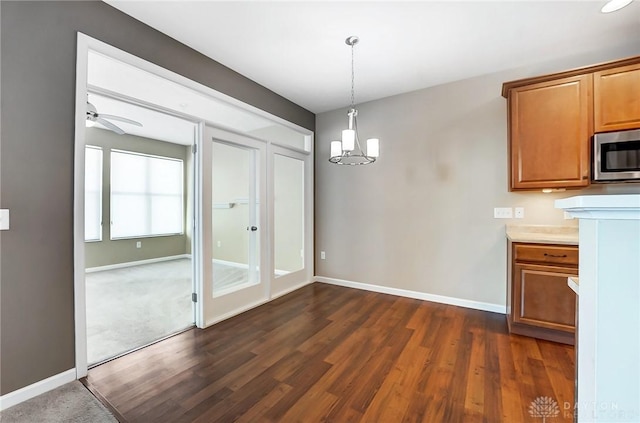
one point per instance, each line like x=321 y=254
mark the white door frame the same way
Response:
x=84 y=45
x=216 y=309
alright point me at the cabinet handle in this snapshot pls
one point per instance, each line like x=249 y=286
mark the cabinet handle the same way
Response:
x=553 y=255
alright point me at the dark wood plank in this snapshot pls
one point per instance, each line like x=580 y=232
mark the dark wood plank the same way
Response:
x=327 y=353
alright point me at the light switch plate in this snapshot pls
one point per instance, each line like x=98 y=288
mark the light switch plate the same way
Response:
x=519 y=213
x=503 y=213
x=4 y=219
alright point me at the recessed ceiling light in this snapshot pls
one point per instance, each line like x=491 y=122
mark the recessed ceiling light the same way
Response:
x=613 y=5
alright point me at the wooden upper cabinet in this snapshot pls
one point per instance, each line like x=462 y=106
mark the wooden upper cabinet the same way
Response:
x=550 y=125
x=553 y=117
x=617 y=98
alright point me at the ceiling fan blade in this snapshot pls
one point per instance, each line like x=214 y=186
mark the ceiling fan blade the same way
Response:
x=91 y=109
x=109 y=125
x=121 y=119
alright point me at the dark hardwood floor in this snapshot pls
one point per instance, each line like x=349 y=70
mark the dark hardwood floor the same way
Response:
x=334 y=354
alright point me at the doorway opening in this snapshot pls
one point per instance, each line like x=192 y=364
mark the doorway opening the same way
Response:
x=139 y=196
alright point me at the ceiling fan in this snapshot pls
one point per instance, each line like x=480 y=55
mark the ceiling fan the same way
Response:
x=94 y=117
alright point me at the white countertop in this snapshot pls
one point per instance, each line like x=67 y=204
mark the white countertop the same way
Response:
x=602 y=206
x=543 y=234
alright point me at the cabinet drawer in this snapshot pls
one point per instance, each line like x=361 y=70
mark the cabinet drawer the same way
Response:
x=547 y=254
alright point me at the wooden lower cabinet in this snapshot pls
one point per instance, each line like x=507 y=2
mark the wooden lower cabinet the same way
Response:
x=541 y=304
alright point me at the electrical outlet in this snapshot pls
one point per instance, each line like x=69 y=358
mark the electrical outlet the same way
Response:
x=503 y=213
x=219 y=244
x=519 y=213
x=139 y=244
x=322 y=255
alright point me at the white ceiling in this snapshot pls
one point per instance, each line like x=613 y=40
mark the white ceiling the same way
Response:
x=297 y=49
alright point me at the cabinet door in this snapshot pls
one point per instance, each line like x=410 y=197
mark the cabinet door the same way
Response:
x=617 y=98
x=542 y=297
x=549 y=132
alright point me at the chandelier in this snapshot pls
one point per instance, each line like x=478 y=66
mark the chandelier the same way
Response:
x=348 y=151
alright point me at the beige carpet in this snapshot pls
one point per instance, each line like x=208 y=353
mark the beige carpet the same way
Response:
x=132 y=307
x=70 y=403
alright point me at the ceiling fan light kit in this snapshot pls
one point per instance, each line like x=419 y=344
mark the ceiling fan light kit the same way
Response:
x=348 y=151
x=94 y=117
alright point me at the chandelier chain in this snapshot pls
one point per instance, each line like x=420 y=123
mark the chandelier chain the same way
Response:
x=353 y=73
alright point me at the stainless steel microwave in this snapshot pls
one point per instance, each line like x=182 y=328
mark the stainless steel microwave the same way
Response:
x=616 y=156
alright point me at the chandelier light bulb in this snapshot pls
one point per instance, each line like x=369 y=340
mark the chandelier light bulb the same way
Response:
x=348 y=139
x=373 y=147
x=336 y=148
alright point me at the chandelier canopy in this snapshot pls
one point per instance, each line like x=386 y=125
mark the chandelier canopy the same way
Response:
x=348 y=151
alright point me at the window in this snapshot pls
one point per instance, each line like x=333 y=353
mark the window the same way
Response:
x=146 y=195
x=92 y=193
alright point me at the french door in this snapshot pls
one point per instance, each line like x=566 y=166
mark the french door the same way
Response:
x=291 y=219
x=234 y=225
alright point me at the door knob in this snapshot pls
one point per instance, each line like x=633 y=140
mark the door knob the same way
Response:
x=252 y=228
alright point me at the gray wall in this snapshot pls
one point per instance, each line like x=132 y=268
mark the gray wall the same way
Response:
x=107 y=251
x=38 y=46
x=421 y=217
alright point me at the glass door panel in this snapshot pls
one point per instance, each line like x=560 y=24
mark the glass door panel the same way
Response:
x=291 y=218
x=288 y=181
x=234 y=218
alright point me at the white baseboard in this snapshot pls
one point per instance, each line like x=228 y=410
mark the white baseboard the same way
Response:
x=35 y=389
x=136 y=263
x=477 y=305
